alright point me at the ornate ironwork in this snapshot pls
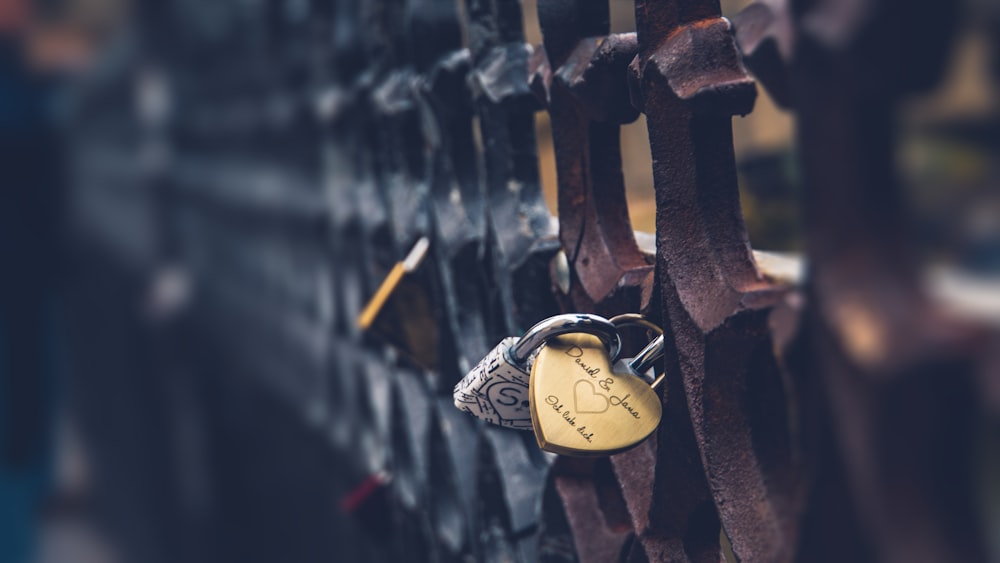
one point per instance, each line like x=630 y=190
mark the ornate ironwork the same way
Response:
x=310 y=145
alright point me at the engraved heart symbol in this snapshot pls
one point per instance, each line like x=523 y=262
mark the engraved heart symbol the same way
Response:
x=580 y=407
x=587 y=400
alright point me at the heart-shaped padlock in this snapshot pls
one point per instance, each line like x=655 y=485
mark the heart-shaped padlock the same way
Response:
x=581 y=407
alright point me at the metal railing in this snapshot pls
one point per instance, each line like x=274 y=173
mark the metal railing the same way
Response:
x=309 y=146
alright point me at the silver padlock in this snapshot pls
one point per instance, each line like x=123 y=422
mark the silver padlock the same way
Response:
x=496 y=390
x=643 y=363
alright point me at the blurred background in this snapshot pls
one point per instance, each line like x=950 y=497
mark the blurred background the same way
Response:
x=111 y=448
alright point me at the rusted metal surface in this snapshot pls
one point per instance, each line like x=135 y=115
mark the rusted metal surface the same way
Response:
x=583 y=83
x=895 y=373
x=583 y=80
x=314 y=143
x=691 y=82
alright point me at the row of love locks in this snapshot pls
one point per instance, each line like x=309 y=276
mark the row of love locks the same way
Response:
x=315 y=144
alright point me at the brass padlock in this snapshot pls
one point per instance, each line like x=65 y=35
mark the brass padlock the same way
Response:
x=580 y=406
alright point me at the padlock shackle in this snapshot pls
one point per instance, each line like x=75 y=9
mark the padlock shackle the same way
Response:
x=648 y=356
x=566 y=324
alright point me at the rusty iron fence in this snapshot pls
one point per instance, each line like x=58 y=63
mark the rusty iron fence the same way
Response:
x=253 y=170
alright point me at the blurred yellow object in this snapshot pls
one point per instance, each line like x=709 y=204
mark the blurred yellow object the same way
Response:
x=391 y=282
x=375 y=304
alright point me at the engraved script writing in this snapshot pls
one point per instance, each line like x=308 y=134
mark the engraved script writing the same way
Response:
x=557 y=406
x=586 y=399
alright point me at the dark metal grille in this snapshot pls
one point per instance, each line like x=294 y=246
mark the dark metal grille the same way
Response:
x=285 y=154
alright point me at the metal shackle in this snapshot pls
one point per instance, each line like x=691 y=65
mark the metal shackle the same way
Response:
x=651 y=353
x=566 y=324
x=648 y=356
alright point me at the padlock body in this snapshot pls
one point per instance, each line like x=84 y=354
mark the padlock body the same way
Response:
x=581 y=407
x=496 y=390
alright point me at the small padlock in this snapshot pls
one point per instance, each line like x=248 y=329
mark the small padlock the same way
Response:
x=643 y=362
x=496 y=390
